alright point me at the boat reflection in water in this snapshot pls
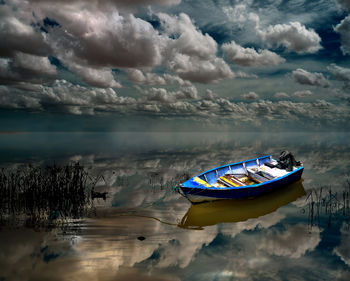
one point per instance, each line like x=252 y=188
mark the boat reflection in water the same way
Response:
x=236 y=210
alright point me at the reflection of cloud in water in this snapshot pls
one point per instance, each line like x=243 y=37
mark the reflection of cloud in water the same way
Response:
x=343 y=250
x=251 y=224
x=293 y=242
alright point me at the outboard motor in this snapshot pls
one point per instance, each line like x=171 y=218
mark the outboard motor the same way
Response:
x=286 y=161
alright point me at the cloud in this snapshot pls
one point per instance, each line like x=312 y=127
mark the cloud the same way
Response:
x=65 y=96
x=294 y=36
x=190 y=41
x=121 y=41
x=200 y=70
x=37 y=64
x=210 y=95
x=250 y=96
x=115 y=3
x=136 y=76
x=163 y=96
x=20 y=35
x=26 y=68
x=183 y=103
x=192 y=55
x=249 y=57
x=343 y=28
x=302 y=94
x=240 y=16
x=174 y=79
x=236 y=14
x=125 y=41
x=304 y=77
x=96 y=77
x=344 y=4
x=340 y=73
x=142 y=2
x=281 y=95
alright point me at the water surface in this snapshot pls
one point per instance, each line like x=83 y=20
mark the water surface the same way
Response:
x=146 y=231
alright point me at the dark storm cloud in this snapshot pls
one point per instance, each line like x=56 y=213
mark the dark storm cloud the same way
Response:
x=19 y=35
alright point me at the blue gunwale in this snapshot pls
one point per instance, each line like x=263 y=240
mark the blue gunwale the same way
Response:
x=199 y=186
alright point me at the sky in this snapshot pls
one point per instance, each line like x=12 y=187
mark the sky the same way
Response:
x=174 y=65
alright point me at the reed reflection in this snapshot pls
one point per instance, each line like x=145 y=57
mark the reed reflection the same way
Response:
x=236 y=210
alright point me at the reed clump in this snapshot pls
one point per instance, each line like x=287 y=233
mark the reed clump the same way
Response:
x=50 y=195
x=332 y=204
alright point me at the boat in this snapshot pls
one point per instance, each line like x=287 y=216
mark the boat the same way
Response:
x=210 y=213
x=243 y=179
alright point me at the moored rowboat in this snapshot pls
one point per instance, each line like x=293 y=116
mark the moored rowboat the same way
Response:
x=244 y=179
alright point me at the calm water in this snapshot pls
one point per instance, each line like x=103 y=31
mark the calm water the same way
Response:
x=300 y=232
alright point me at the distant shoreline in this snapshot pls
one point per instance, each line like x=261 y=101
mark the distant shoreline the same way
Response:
x=9 y=132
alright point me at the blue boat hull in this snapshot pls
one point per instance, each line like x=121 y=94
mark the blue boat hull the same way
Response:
x=201 y=193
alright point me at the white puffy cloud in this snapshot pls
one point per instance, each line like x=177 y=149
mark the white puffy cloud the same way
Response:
x=307 y=78
x=294 y=36
x=250 y=96
x=191 y=41
x=192 y=54
x=343 y=28
x=249 y=56
x=302 y=94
